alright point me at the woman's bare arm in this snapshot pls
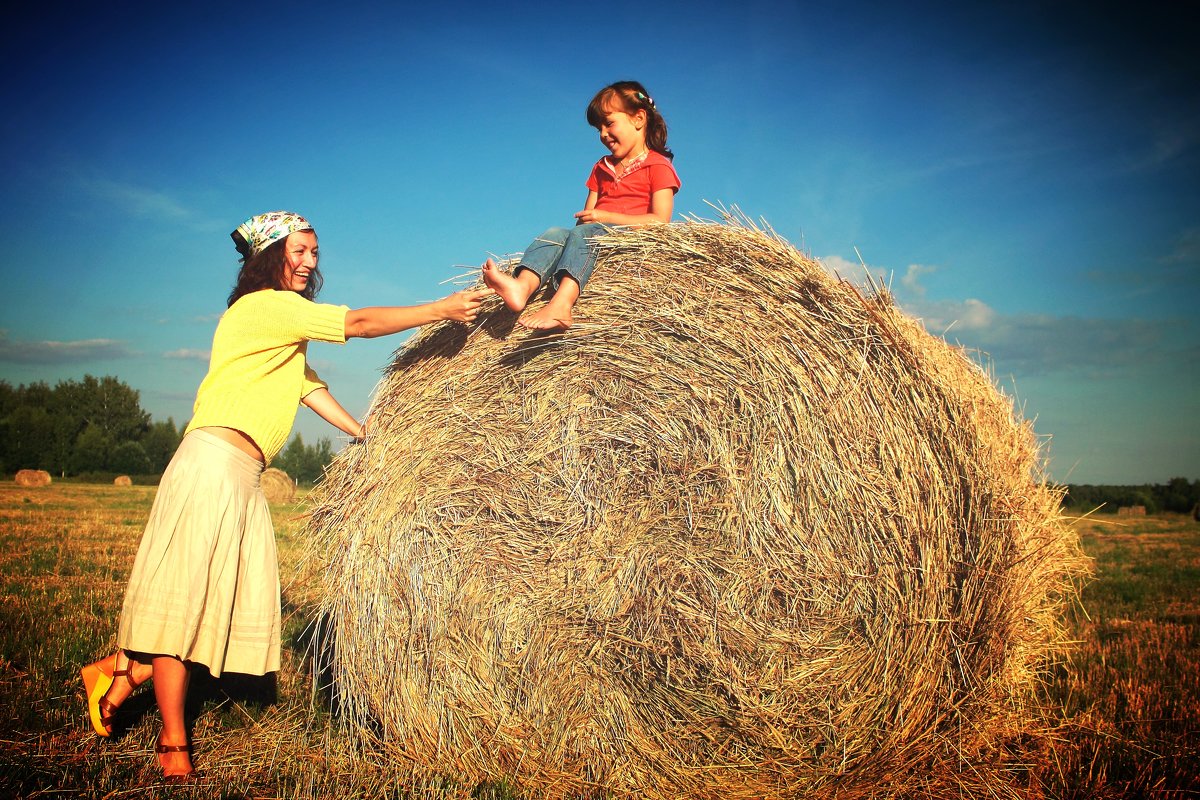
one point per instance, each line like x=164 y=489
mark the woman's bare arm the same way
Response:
x=367 y=323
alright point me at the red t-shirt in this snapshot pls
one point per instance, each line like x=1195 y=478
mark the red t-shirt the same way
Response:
x=631 y=193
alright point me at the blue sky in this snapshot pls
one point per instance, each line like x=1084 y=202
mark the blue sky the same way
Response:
x=1024 y=176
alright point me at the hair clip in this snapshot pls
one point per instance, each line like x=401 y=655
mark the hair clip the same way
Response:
x=648 y=100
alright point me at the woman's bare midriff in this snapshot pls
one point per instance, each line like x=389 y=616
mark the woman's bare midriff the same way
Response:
x=239 y=440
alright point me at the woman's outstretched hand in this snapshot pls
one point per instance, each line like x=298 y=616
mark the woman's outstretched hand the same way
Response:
x=463 y=306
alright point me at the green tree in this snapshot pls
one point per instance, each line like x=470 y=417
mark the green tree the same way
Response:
x=28 y=429
x=160 y=443
x=9 y=399
x=29 y=436
x=92 y=451
x=128 y=457
x=322 y=456
x=305 y=464
x=1179 y=494
x=291 y=458
x=106 y=403
x=78 y=426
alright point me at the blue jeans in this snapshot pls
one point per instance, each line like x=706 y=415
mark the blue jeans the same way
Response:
x=563 y=250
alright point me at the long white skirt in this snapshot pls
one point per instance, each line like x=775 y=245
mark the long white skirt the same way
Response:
x=205 y=583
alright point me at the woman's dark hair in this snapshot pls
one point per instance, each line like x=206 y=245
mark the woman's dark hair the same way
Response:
x=631 y=97
x=265 y=271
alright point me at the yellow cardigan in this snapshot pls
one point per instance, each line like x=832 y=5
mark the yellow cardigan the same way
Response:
x=257 y=374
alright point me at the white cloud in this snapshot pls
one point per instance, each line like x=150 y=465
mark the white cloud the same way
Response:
x=189 y=354
x=137 y=200
x=912 y=278
x=853 y=271
x=16 y=351
x=836 y=265
x=961 y=315
x=1041 y=344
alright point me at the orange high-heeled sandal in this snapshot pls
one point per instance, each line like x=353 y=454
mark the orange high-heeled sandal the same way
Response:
x=98 y=678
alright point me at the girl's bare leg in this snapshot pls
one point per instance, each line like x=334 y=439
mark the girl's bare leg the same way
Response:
x=170 y=689
x=556 y=314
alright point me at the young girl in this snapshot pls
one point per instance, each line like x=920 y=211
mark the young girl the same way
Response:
x=205 y=583
x=635 y=185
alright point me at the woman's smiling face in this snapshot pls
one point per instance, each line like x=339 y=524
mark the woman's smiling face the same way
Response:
x=301 y=254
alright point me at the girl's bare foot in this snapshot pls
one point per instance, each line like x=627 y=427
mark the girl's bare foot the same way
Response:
x=513 y=290
x=550 y=317
x=556 y=314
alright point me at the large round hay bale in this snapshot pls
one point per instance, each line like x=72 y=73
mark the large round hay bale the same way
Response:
x=277 y=485
x=122 y=480
x=741 y=532
x=32 y=477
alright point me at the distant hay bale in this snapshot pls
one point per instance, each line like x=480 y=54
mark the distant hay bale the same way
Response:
x=278 y=486
x=741 y=532
x=122 y=480
x=1131 y=511
x=32 y=477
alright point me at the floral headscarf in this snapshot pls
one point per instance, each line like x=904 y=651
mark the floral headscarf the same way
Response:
x=259 y=232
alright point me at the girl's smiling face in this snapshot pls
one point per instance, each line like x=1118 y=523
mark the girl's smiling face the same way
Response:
x=623 y=134
x=301 y=254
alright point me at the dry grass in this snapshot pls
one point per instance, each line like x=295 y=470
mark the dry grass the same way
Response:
x=741 y=532
x=1126 y=709
x=65 y=554
x=1128 y=704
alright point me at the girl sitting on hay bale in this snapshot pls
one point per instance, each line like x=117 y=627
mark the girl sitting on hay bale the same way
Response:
x=636 y=185
x=205 y=584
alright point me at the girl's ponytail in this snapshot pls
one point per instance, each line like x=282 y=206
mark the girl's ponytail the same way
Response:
x=656 y=131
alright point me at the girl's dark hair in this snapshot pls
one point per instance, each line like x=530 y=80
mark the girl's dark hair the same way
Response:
x=265 y=271
x=631 y=97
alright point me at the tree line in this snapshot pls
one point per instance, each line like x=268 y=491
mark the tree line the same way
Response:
x=96 y=426
x=1177 y=494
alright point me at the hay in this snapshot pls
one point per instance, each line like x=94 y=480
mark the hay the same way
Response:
x=1131 y=511
x=32 y=477
x=122 y=480
x=740 y=533
x=278 y=486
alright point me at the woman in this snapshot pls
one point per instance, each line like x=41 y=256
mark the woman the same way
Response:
x=205 y=585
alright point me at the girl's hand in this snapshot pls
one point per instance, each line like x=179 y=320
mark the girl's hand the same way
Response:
x=593 y=215
x=463 y=306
